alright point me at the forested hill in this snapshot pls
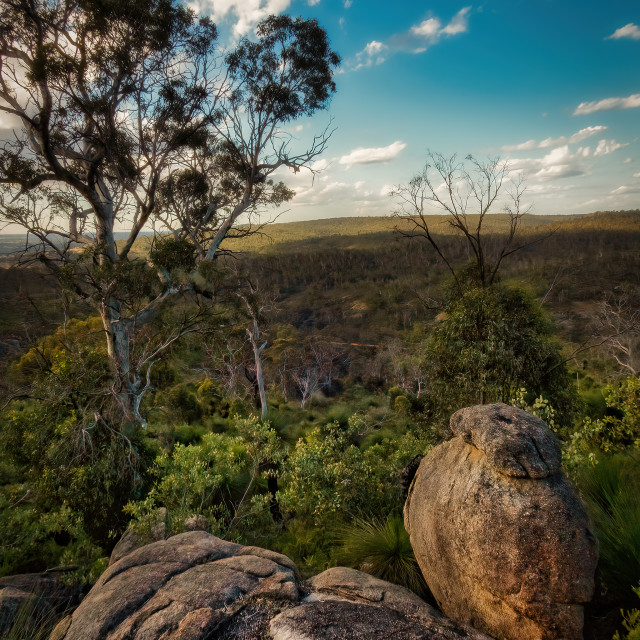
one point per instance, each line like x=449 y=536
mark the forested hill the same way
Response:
x=360 y=232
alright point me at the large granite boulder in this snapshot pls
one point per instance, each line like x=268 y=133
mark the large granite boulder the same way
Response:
x=194 y=586
x=502 y=539
x=187 y=587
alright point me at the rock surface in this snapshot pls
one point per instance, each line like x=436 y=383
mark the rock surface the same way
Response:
x=501 y=537
x=40 y=593
x=186 y=587
x=345 y=603
x=194 y=586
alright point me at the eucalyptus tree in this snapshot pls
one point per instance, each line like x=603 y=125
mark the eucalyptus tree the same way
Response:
x=130 y=117
x=466 y=192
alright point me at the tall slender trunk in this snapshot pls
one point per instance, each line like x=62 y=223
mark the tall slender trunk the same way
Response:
x=127 y=382
x=254 y=334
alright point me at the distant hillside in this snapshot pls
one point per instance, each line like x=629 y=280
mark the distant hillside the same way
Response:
x=330 y=230
x=368 y=232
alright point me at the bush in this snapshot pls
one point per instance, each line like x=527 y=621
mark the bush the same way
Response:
x=491 y=342
x=382 y=549
x=618 y=431
x=218 y=478
x=328 y=479
x=611 y=489
x=630 y=622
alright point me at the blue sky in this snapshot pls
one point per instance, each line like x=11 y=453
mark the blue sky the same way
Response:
x=551 y=85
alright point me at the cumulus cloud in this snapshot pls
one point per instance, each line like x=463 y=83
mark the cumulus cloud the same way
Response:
x=245 y=14
x=347 y=3
x=630 y=102
x=416 y=40
x=628 y=31
x=558 y=163
x=372 y=155
x=605 y=147
x=579 y=136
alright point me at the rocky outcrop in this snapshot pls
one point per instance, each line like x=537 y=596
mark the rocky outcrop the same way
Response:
x=501 y=537
x=133 y=539
x=345 y=603
x=195 y=586
x=39 y=595
x=187 y=587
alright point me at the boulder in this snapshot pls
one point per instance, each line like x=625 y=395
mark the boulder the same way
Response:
x=133 y=539
x=500 y=535
x=195 y=586
x=346 y=603
x=37 y=595
x=187 y=587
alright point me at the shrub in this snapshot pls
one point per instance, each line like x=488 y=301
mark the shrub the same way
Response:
x=329 y=479
x=491 y=342
x=382 y=549
x=218 y=478
x=631 y=622
x=618 y=431
x=611 y=489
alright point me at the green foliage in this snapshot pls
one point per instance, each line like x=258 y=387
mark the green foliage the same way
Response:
x=172 y=254
x=35 y=539
x=219 y=478
x=618 y=431
x=491 y=342
x=540 y=407
x=382 y=549
x=91 y=468
x=611 y=489
x=309 y=547
x=329 y=479
x=631 y=622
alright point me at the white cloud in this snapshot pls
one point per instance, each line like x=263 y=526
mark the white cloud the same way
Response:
x=459 y=24
x=427 y=28
x=579 y=136
x=416 y=40
x=606 y=147
x=347 y=3
x=630 y=102
x=373 y=154
x=633 y=188
x=558 y=163
x=636 y=175
x=628 y=31
x=245 y=13
x=627 y=160
x=372 y=54
x=432 y=30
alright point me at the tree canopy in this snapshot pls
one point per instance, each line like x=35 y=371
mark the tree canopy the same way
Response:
x=133 y=118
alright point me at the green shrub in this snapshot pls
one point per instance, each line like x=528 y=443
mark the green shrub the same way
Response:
x=611 y=489
x=631 y=622
x=328 y=479
x=382 y=549
x=218 y=478
x=618 y=431
x=491 y=342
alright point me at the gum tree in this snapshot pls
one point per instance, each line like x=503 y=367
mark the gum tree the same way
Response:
x=465 y=191
x=130 y=118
